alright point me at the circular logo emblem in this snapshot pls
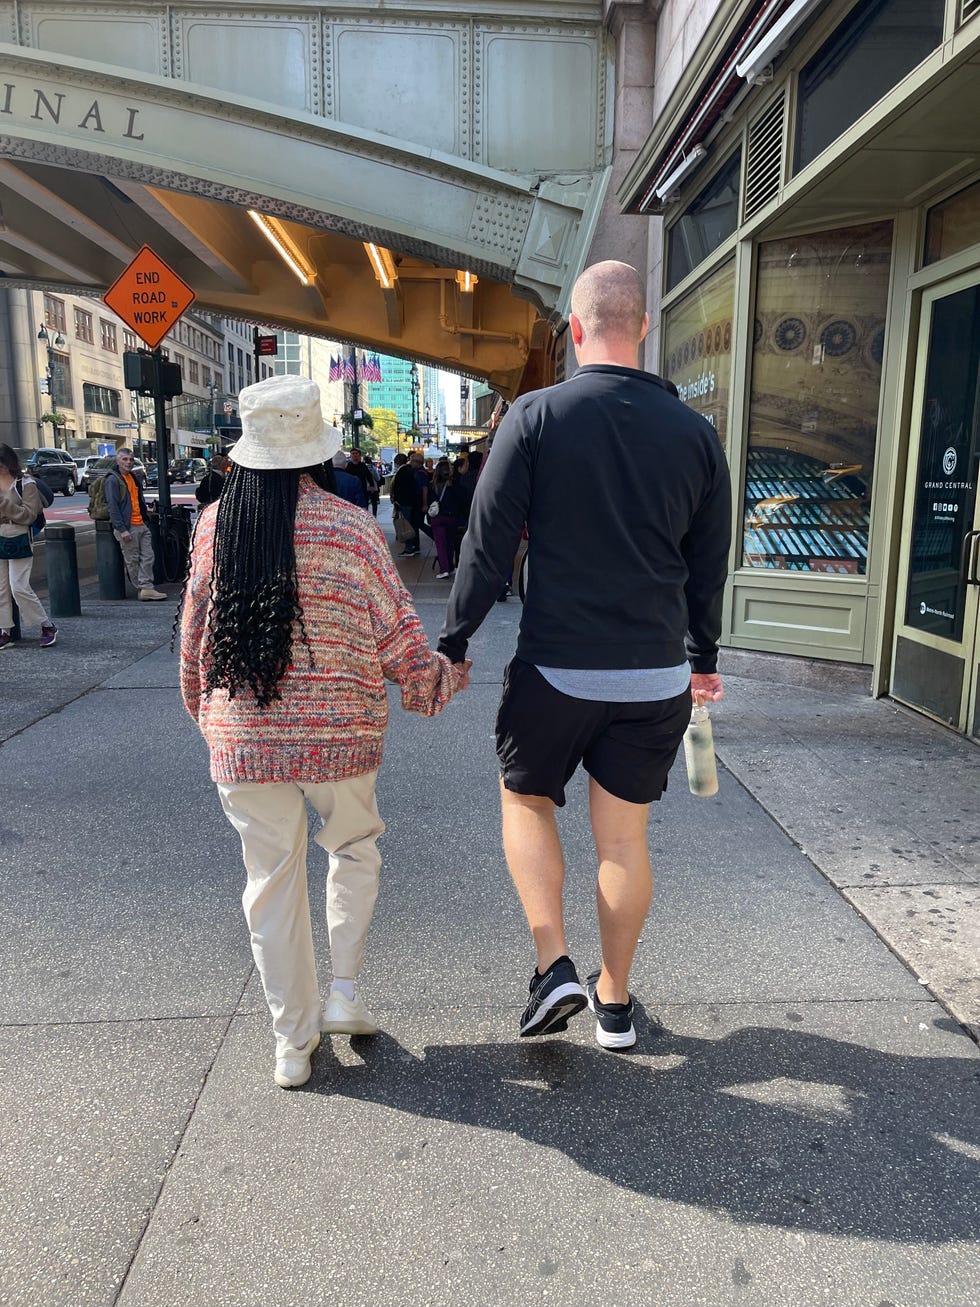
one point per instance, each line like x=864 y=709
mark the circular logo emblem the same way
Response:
x=949 y=461
x=922 y=608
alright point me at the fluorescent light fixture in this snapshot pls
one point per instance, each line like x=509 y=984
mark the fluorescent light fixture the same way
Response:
x=383 y=264
x=754 y=64
x=287 y=249
x=466 y=282
x=670 y=183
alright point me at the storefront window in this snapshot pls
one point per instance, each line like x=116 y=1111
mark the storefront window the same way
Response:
x=869 y=53
x=698 y=346
x=819 y=338
x=708 y=220
x=953 y=225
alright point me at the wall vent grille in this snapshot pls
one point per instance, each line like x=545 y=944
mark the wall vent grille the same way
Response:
x=764 y=164
x=967 y=9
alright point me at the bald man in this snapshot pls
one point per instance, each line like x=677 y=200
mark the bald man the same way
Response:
x=619 y=628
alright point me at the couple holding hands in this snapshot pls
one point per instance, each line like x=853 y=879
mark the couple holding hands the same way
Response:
x=294 y=616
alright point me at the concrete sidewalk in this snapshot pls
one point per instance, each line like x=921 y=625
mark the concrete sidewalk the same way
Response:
x=802 y=1129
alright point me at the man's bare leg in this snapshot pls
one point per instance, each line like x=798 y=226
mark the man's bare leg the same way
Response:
x=625 y=886
x=534 y=857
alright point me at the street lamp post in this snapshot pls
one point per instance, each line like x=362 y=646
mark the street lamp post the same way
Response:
x=59 y=343
x=415 y=395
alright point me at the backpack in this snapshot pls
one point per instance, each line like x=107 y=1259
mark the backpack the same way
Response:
x=98 y=509
x=39 y=523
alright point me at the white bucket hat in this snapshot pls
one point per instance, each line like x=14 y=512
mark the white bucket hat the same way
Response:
x=282 y=426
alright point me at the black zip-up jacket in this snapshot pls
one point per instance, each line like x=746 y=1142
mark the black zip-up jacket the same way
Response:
x=627 y=500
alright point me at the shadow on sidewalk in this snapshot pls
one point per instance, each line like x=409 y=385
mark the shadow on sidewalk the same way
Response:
x=772 y=1126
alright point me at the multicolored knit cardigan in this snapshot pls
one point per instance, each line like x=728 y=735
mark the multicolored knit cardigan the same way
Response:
x=330 y=722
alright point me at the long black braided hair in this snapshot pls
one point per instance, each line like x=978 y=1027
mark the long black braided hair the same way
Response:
x=254 y=590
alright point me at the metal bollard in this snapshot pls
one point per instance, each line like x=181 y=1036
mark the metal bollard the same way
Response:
x=109 y=563
x=61 y=557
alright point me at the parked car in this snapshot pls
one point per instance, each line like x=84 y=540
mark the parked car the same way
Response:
x=190 y=469
x=102 y=466
x=85 y=467
x=153 y=473
x=55 y=467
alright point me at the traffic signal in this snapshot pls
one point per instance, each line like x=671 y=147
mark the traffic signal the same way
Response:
x=171 y=382
x=138 y=372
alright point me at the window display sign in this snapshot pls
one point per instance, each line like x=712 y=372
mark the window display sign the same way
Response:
x=946 y=481
x=698 y=347
x=818 y=345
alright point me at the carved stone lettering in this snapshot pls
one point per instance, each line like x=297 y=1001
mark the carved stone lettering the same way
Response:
x=133 y=114
x=96 y=117
x=40 y=98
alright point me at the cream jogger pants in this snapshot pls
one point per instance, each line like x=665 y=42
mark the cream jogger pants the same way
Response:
x=271 y=821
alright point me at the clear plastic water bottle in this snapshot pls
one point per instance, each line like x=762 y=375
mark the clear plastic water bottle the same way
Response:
x=699 y=754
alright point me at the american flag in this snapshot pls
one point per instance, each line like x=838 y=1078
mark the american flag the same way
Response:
x=372 y=368
x=349 y=367
x=335 y=369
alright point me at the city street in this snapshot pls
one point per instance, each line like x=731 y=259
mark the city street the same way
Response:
x=798 y=1123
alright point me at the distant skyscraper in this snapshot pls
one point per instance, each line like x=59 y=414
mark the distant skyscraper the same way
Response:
x=394 y=390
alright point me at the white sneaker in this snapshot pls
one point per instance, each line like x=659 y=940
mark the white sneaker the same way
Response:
x=293 y=1065
x=343 y=1017
x=150 y=594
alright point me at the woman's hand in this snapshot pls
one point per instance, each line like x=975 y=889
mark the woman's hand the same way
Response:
x=462 y=673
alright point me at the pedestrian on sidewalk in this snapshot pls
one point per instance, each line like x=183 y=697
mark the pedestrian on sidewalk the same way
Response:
x=20 y=506
x=293 y=618
x=129 y=514
x=619 y=628
x=410 y=495
x=213 y=481
x=356 y=466
x=443 y=517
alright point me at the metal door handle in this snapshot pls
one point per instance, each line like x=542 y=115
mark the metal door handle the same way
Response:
x=970 y=558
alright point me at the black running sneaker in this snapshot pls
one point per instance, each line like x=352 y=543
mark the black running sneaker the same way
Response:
x=555 y=996
x=614 y=1021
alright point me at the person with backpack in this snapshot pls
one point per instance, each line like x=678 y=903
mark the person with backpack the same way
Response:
x=21 y=511
x=118 y=498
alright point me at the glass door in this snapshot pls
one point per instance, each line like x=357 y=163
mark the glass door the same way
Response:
x=936 y=663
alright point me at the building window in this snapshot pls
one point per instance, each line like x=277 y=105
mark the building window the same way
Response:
x=698 y=346
x=83 y=326
x=706 y=223
x=206 y=375
x=60 y=386
x=231 y=354
x=100 y=399
x=179 y=360
x=193 y=372
x=108 y=334
x=54 y=313
x=129 y=340
x=953 y=225
x=819 y=337
x=248 y=368
x=869 y=53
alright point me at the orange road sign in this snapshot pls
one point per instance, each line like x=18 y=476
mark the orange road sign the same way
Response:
x=149 y=297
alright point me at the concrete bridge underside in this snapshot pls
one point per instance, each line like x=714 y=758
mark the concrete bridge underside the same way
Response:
x=395 y=147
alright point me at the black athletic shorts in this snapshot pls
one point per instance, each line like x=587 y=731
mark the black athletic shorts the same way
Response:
x=543 y=735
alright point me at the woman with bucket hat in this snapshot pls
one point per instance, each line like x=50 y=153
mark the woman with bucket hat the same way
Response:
x=293 y=618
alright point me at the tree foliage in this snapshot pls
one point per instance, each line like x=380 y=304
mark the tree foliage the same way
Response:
x=385 y=426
